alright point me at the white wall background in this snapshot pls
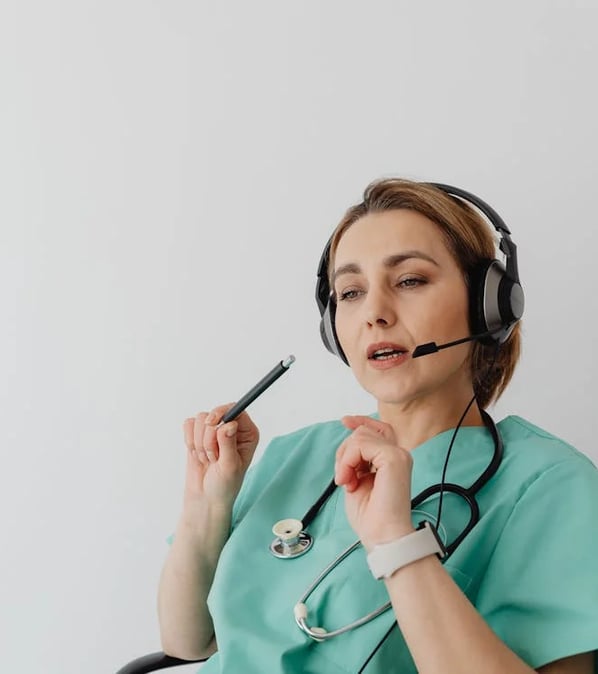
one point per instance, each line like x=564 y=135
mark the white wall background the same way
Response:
x=169 y=172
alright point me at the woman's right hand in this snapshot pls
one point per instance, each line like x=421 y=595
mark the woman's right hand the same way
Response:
x=217 y=456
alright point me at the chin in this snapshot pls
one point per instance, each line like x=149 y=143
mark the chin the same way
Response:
x=407 y=389
x=395 y=398
x=397 y=387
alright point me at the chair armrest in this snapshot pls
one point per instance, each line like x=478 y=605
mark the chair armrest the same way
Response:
x=153 y=662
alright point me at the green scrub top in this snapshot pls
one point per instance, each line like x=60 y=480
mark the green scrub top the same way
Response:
x=529 y=566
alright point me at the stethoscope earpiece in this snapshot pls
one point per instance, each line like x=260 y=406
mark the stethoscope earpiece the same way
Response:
x=291 y=541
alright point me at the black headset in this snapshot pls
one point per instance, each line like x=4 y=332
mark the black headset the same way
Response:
x=496 y=298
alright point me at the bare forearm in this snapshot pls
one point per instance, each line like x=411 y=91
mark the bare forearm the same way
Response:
x=442 y=629
x=186 y=627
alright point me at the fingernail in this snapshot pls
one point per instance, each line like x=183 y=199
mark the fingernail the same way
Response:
x=231 y=430
x=211 y=456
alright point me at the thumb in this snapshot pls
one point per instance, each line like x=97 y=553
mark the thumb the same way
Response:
x=227 y=444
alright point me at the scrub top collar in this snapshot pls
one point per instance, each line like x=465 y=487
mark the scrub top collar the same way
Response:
x=472 y=451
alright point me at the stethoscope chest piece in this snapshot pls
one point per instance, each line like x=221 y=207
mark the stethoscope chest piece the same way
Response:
x=291 y=541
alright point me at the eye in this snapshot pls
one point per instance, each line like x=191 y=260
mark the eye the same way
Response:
x=411 y=282
x=348 y=294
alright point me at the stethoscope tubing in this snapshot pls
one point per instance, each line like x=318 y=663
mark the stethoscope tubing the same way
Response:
x=300 y=609
x=468 y=494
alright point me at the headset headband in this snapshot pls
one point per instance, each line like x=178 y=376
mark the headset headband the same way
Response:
x=506 y=244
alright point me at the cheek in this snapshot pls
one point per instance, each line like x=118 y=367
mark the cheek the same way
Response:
x=348 y=336
x=450 y=317
x=456 y=325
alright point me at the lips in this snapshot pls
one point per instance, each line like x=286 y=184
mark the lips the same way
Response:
x=381 y=351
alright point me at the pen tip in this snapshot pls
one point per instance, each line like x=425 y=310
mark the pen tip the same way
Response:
x=288 y=361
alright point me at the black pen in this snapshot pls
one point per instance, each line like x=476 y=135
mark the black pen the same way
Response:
x=258 y=389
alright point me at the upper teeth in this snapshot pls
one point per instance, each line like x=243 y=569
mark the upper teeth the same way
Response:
x=385 y=352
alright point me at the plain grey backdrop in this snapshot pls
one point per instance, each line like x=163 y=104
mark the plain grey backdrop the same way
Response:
x=169 y=173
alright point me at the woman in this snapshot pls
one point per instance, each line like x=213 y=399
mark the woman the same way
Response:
x=517 y=591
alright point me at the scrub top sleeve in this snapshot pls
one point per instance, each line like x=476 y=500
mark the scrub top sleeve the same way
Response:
x=540 y=591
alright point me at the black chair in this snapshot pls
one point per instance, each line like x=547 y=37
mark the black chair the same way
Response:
x=153 y=662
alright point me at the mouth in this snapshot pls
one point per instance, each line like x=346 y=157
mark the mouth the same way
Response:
x=386 y=351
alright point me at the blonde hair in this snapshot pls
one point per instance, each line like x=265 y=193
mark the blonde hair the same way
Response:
x=470 y=241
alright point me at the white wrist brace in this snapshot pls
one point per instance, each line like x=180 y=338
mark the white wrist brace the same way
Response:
x=386 y=558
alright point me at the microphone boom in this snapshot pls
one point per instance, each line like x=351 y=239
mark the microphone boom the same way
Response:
x=432 y=347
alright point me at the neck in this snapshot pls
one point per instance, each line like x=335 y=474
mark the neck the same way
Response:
x=420 y=419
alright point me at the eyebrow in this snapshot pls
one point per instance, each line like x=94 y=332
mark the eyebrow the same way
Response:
x=389 y=262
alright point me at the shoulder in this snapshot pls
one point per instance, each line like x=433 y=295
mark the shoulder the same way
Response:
x=540 y=470
x=540 y=576
x=534 y=450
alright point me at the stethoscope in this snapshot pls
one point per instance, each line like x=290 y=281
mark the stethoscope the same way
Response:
x=292 y=540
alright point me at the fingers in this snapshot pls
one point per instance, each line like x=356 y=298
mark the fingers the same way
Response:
x=188 y=426
x=199 y=447
x=245 y=424
x=354 y=421
x=213 y=434
x=206 y=440
x=351 y=464
x=364 y=452
x=214 y=417
x=192 y=430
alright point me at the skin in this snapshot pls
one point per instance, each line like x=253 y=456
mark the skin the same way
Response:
x=417 y=299
x=217 y=460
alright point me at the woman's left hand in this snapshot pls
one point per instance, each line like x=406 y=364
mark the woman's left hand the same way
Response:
x=376 y=474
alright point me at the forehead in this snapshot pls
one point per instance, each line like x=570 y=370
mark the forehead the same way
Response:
x=377 y=235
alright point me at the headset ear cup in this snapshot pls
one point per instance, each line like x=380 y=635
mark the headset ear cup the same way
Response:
x=510 y=301
x=477 y=286
x=496 y=302
x=327 y=307
x=328 y=331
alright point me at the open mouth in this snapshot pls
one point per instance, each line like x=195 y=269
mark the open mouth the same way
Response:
x=387 y=353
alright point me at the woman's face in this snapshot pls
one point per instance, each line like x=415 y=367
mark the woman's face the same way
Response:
x=398 y=286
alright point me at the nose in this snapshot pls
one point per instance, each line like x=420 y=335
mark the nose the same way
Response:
x=379 y=308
